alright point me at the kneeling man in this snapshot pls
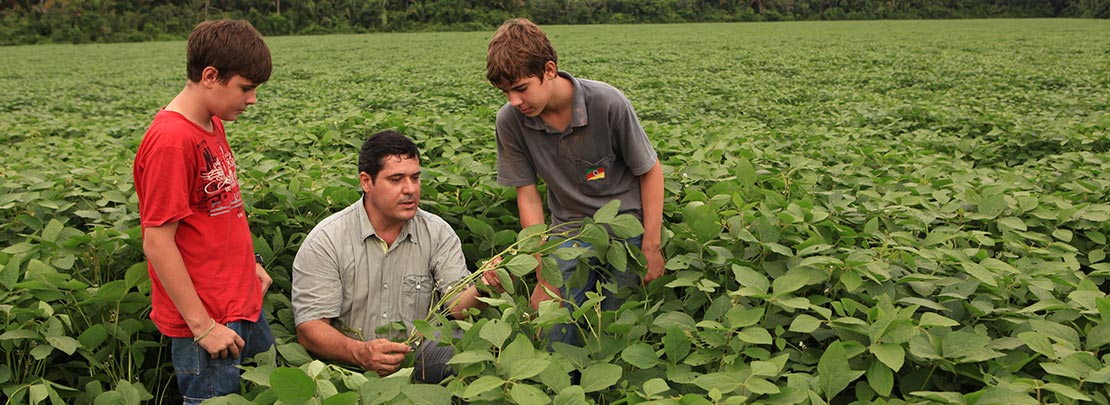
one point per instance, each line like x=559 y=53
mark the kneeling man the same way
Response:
x=379 y=261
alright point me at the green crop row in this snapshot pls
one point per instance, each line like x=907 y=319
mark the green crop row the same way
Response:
x=871 y=212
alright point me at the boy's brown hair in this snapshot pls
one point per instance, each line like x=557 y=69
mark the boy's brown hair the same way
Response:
x=518 y=49
x=233 y=47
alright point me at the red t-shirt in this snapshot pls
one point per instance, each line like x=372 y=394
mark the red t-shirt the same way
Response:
x=187 y=174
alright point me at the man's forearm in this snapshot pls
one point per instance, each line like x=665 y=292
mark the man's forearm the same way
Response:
x=323 y=340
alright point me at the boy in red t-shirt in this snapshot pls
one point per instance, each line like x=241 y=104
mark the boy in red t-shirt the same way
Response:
x=207 y=283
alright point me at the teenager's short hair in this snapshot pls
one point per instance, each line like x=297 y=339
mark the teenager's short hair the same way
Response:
x=381 y=145
x=518 y=49
x=233 y=47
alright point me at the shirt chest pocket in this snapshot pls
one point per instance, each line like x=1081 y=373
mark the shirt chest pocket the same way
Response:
x=598 y=177
x=418 y=291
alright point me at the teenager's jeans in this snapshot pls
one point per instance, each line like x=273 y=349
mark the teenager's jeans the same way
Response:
x=568 y=332
x=200 y=377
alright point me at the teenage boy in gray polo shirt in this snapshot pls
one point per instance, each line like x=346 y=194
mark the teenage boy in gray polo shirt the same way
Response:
x=583 y=138
x=376 y=262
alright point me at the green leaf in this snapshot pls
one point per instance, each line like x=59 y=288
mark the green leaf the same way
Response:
x=1067 y=391
x=674 y=318
x=980 y=273
x=495 y=331
x=741 y=317
x=66 y=344
x=676 y=344
x=294 y=353
x=764 y=368
x=965 y=346
x=600 y=376
x=833 y=372
x=522 y=265
x=626 y=226
x=804 y=324
x=292 y=385
x=890 y=354
x=528 y=394
x=761 y=386
x=552 y=313
x=750 y=278
x=1012 y=223
x=51 y=231
x=655 y=386
x=640 y=355
x=346 y=398
x=481 y=385
x=617 y=256
x=745 y=173
x=880 y=378
x=1038 y=343
x=607 y=212
x=724 y=382
x=471 y=357
x=932 y=319
x=526 y=368
x=755 y=335
x=993 y=206
x=573 y=395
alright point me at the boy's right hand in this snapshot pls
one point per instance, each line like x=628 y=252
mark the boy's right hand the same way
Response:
x=380 y=355
x=221 y=342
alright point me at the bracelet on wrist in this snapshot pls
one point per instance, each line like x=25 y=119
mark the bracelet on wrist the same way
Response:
x=206 y=331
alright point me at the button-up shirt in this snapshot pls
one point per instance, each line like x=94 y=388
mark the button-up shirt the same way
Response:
x=345 y=273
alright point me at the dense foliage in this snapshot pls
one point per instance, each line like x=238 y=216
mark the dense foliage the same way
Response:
x=40 y=21
x=892 y=212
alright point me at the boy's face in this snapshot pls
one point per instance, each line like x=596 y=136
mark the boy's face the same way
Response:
x=530 y=95
x=394 y=194
x=228 y=100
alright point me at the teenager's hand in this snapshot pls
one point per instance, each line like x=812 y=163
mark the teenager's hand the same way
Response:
x=380 y=355
x=656 y=264
x=539 y=294
x=221 y=342
x=489 y=277
x=263 y=277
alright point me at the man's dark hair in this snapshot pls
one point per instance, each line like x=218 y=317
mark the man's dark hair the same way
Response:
x=233 y=47
x=381 y=145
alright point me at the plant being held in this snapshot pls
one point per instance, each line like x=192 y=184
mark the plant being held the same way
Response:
x=539 y=241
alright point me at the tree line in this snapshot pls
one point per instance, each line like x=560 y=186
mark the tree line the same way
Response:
x=82 y=21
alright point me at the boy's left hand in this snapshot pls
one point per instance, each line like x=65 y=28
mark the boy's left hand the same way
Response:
x=656 y=264
x=263 y=276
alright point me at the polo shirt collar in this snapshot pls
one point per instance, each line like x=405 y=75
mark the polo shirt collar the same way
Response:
x=578 y=115
x=367 y=229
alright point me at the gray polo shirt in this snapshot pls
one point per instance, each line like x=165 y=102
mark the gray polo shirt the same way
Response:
x=598 y=158
x=343 y=271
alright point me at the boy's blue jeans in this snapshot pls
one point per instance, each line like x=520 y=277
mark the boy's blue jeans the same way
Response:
x=200 y=377
x=568 y=332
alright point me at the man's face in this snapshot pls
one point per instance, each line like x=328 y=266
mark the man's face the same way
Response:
x=228 y=100
x=394 y=195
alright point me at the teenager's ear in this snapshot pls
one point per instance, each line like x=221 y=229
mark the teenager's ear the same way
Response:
x=550 y=71
x=210 y=74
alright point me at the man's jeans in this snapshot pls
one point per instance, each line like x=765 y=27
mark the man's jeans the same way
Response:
x=568 y=333
x=200 y=377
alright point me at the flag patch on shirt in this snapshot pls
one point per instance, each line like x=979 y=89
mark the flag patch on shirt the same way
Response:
x=596 y=174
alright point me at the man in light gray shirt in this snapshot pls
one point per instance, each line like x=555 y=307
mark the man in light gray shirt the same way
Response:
x=376 y=262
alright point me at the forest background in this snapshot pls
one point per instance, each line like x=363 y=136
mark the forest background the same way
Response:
x=83 y=21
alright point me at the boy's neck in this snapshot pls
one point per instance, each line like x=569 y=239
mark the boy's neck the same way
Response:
x=190 y=103
x=559 y=106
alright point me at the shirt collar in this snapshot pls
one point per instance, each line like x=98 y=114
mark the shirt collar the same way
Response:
x=367 y=229
x=578 y=115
